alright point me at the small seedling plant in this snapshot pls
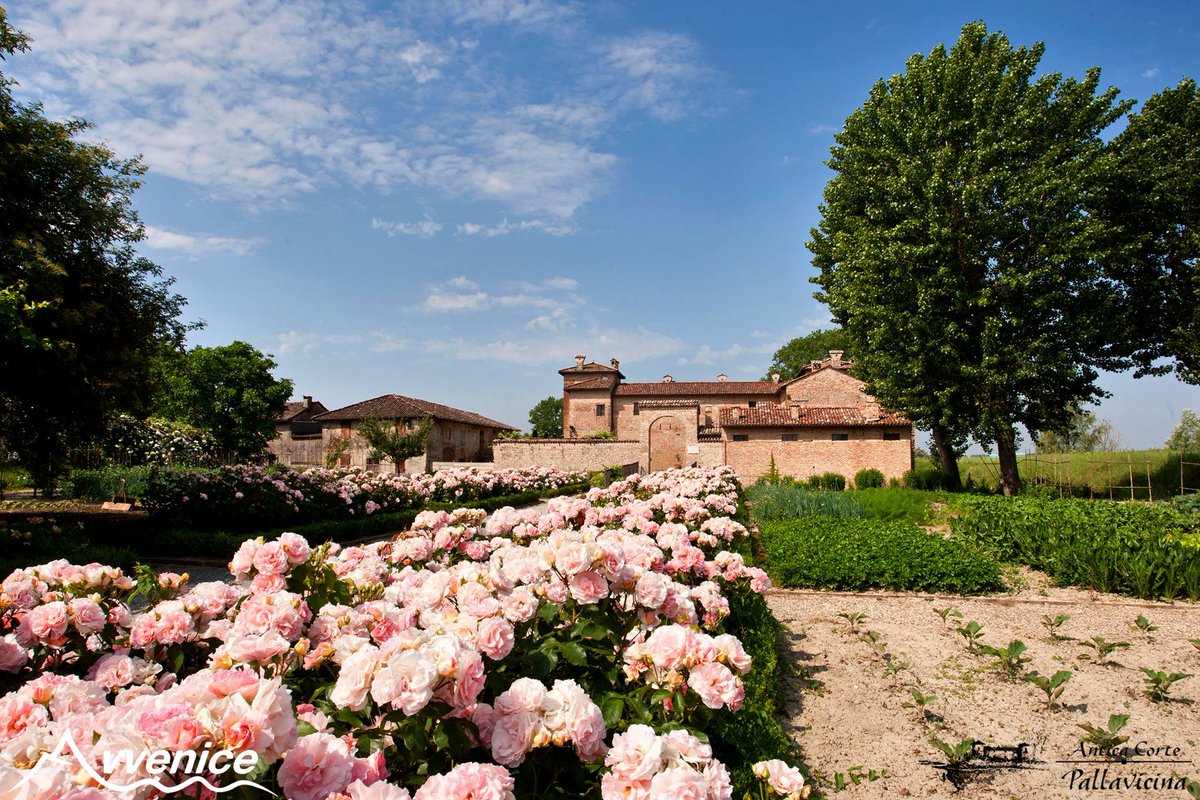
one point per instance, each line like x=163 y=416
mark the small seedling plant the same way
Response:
x=1052 y=686
x=947 y=614
x=1053 y=625
x=920 y=701
x=1103 y=647
x=972 y=632
x=1195 y=643
x=1158 y=684
x=955 y=753
x=1010 y=659
x=1144 y=625
x=853 y=619
x=1107 y=739
x=856 y=775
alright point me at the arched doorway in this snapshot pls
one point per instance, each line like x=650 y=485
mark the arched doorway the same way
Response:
x=668 y=443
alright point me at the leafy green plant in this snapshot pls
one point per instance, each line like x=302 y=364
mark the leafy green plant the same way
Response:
x=946 y=613
x=1108 y=738
x=788 y=500
x=1052 y=686
x=1195 y=643
x=895 y=666
x=853 y=619
x=1140 y=549
x=972 y=632
x=1144 y=625
x=1103 y=647
x=1158 y=684
x=868 y=479
x=1010 y=659
x=855 y=775
x=873 y=638
x=857 y=554
x=955 y=753
x=1053 y=624
x=919 y=700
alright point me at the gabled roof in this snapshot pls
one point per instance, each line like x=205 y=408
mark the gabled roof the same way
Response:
x=775 y=416
x=816 y=366
x=590 y=383
x=693 y=388
x=590 y=366
x=292 y=409
x=396 y=406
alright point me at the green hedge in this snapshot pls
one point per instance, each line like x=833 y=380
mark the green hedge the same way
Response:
x=102 y=484
x=1141 y=549
x=858 y=554
x=791 y=500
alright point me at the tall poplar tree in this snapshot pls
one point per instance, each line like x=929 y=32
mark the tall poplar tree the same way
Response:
x=955 y=247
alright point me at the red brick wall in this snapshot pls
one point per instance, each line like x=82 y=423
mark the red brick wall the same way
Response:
x=829 y=387
x=815 y=452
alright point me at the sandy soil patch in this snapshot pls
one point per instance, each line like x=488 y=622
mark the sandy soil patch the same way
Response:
x=847 y=694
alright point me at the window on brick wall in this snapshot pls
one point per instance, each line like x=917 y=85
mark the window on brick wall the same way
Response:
x=891 y=437
x=790 y=437
x=753 y=403
x=636 y=410
x=839 y=437
x=741 y=437
x=599 y=409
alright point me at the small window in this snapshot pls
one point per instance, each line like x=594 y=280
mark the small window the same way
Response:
x=636 y=410
x=741 y=437
x=891 y=437
x=599 y=409
x=790 y=437
x=753 y=403
x=839 y=437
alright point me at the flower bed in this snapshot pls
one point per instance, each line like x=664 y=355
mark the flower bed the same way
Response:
x=584 y=651
x=249 y=496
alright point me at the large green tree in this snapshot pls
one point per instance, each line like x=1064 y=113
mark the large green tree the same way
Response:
x=228 y=391
x=80 y=311
x=1083 y=433
x=956 y=248
x=545 y=418
x=1155 y=199
x=797 y=354
x=389 y=439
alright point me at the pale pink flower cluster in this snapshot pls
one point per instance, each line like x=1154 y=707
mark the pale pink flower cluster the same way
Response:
x=527 y=716
x=784 y=780
x=673 y=656
x=321 y=766
x=470 y=781
x=271 y=560
x=674 y=766
x=221 y=709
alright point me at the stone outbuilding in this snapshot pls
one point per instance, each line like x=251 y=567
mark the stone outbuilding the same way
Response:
x=456 y=436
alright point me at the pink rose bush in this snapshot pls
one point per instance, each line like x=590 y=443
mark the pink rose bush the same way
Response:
x=468 y=657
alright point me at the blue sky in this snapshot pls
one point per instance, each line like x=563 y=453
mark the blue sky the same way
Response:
x=449 y=199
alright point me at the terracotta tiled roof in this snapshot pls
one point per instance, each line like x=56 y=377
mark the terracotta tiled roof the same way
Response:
x=816 y=366
x=395 y=406
x=672 y=402
x=775 y=416
x=693 y=388
x=291 y=409
x=591 y=383
x=709 y=432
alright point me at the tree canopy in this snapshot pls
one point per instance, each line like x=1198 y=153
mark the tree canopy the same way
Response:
x=1186 y=436
x=801 y=351
x=1155 y=200
x=389 y=440
x=1083 y=433
x=956 y=248
x=228 y=391
x=80 y=312
x=545 y=418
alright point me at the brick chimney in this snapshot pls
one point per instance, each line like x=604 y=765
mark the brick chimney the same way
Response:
x=668 y=379
x=774 y=377
x=579 y=358
x=835 y=357
x=722 y=377
x=308 y=402
x=614 y=363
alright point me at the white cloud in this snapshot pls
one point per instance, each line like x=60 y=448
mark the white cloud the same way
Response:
x=708 y=355
x=463 y=282
x=304 y=342
x=1151 y=73
x=630 y=345
x=820 y=129
x=263 y=102
x=199 y=245
x=505 y=227
x=425 y=228
x=440 y=301
x=462 y=295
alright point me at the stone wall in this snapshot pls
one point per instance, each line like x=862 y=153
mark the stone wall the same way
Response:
x=567 y=454
x=579 y=412
x=815 y=452
x=829 y=387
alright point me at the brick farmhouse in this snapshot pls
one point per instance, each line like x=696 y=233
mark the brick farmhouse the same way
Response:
x=820 y=421
x=306 y=431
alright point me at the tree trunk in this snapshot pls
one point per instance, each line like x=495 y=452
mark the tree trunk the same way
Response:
x=1006 y=449
x=947 y=458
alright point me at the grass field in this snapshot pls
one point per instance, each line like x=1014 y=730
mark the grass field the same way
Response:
x=1144 y=474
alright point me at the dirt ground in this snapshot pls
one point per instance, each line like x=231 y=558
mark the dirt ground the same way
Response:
x=847 y=692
